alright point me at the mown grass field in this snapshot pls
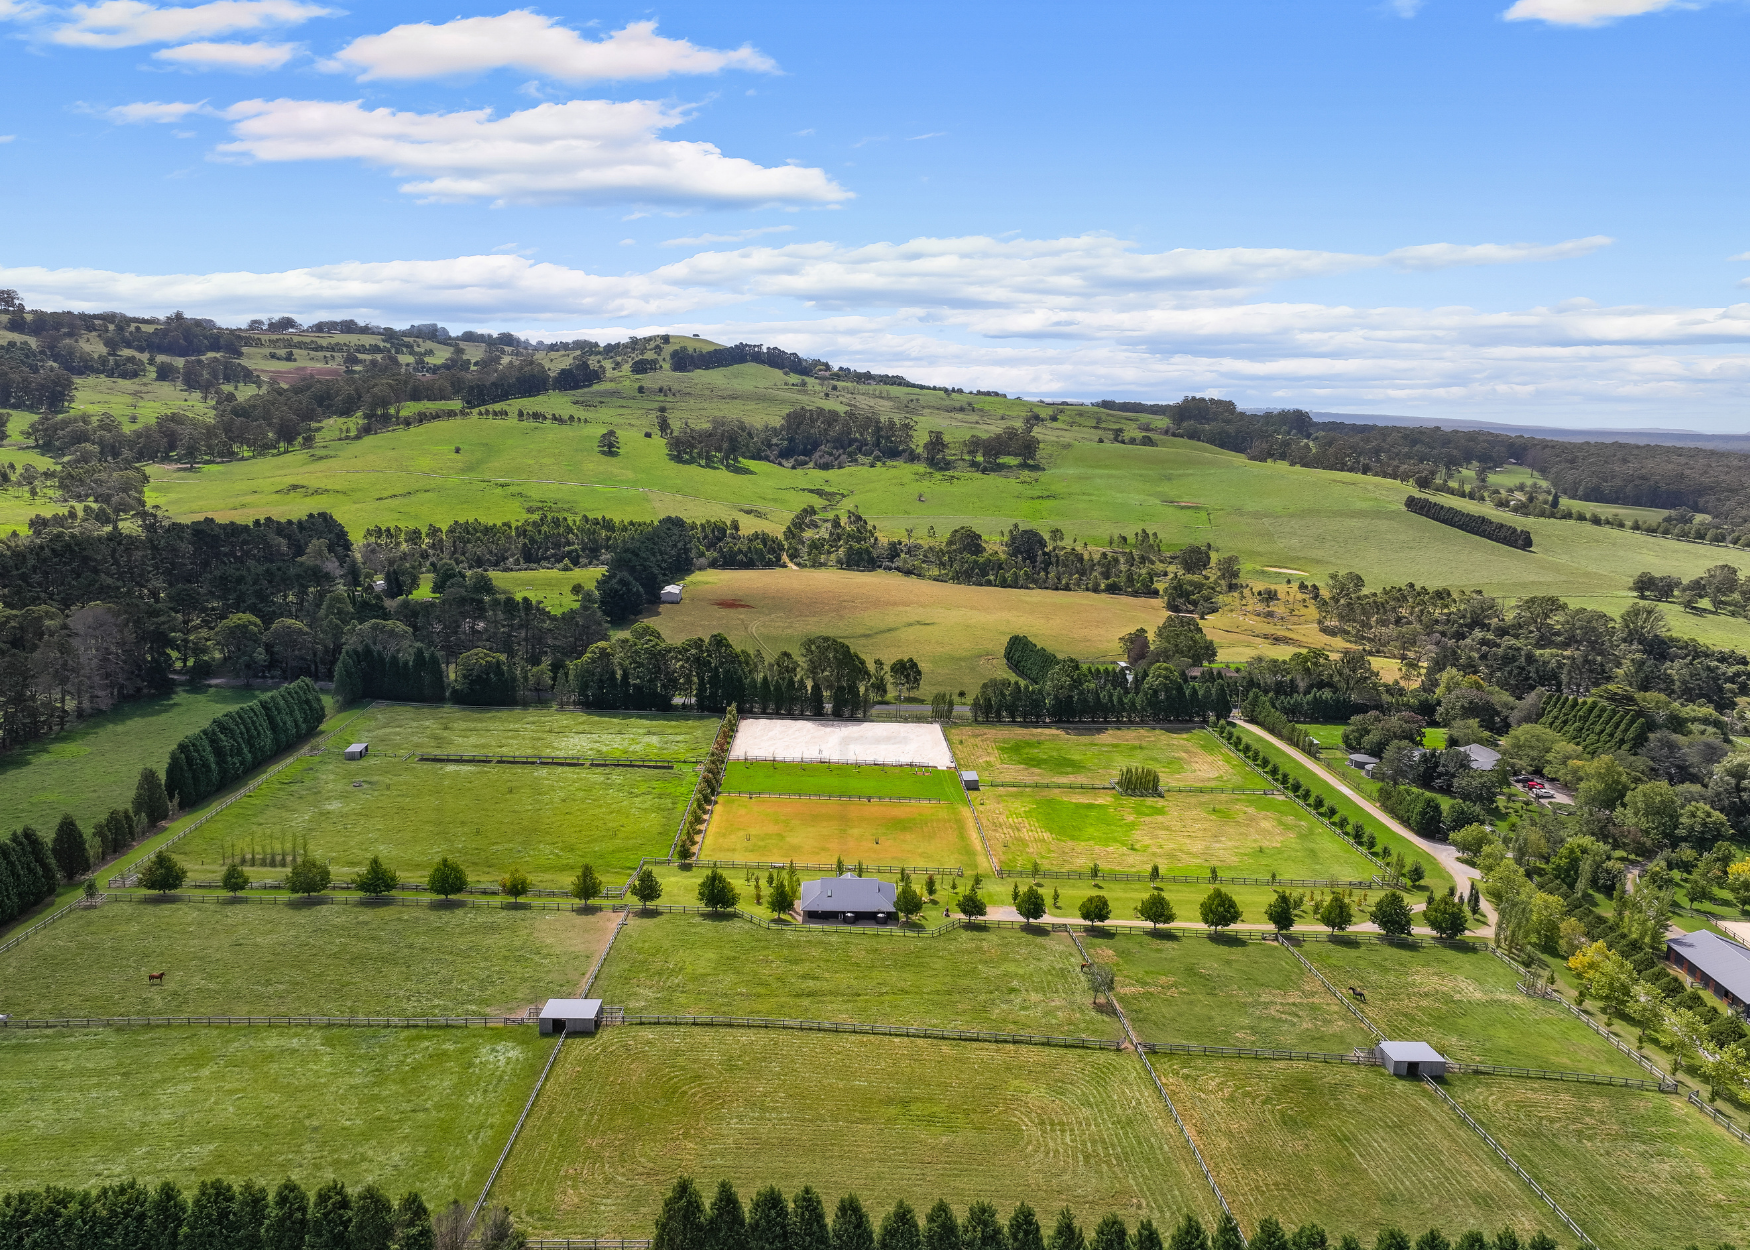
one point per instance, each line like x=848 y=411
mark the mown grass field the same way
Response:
x=546 y=820
x=1329 y=1144
x=425 y=1109
x=1223 y=992
x=852 y=779
x=626 y=1112
x=1464 y=1004
x=94 y=766
x=822 y=831
x=1095 y=753
x=1633 y=1168
x=1026 y=981
x=1238 y=834
x=273 y=959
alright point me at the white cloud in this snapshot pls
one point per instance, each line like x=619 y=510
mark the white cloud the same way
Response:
x=154 y=111
x=237 y=56
x=1448 y=255
x=1587 y=12
x=737 y=237
x=1741 y=256
x=530 y=42
x=583 y=151
x=7 y=138
x=129 y=23
x=1405 y=8
x=934 y=134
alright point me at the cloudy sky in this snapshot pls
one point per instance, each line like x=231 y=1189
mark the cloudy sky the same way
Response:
x=1520 y=210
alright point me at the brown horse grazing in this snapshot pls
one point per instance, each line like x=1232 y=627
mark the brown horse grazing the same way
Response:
x=154 y=976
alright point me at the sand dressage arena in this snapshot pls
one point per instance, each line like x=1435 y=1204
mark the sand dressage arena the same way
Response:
x=841 y=741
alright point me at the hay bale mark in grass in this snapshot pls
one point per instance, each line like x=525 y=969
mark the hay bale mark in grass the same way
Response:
x=821 y=831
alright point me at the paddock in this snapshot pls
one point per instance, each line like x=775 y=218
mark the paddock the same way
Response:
x=860 y=742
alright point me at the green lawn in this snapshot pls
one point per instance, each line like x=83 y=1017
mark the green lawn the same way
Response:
x=1224 y=992
x=822 y=831
x=261 y=959
x=859 y=779
x=1095 y=753
x=1026 y=982
x=1328 y=1144
x=1464 y=1004
x=425 y=1109
x=1633 y=1168
x=94 y=766
x=625 y=1113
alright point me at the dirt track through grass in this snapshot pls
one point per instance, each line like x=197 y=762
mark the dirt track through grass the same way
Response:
x=623 y=1113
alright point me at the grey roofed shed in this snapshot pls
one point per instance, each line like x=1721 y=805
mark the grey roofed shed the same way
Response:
x=1410 y=1059
x=357 y=750
x=571 y=1015
x=850 y=895
x=969 y=779
x=1361 y=759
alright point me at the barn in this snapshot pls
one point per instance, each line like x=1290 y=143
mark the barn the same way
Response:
x=1721 y=965
x=358 y=750
x=571 y=1015
x=1410 y=1059
x=848 y=899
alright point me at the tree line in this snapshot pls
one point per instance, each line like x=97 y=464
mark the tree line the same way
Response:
x=772 y=1222
x=822 y=438
x=1470 y=522
x=236 y=742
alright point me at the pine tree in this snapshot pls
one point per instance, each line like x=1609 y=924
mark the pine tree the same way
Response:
x=72 y=853
x=984 y=1231
x=1024 y=1231
x=373 y=1220
x=413 y=1230
x=808 y=1228
x=851 y=1229
x=150 y=800
x=251 y=1215
x=330 y=1218
x=166 y=1212
x=1227 y=1234
x=1110 y=1234
x=288 y=1217
x=680 y=1225
x=1269 y=1235
x=212 y=1217
x=726 y=1225
x=1189 y=1234
x=768 y=1221
x=1066 y=1234
x=899 y=1229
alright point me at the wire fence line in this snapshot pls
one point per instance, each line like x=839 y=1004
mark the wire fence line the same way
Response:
x=836 y=798
x=883 y=1030
x=1719 y=1119
x=1558 y=1074
x=1510 y=1162
x=1622 y=1047
x=357 y=1022
x=505 y=1153
x=554 y=761
x=1211 y=878
x=837 y=763
x=1362 y=1059
x=1353 y=1009
x=596 y=967
x=46 y=921
x=1158 y=792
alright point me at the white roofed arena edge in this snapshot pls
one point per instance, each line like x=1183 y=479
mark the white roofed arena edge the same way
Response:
x=841 y=741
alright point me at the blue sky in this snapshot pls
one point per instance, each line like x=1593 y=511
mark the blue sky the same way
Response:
x=1526 y=210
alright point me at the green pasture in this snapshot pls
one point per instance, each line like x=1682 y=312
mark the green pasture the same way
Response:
x=1027 y=981
x=549 y=587
x=424 y=1109
x=625 y=1112
x=546 y=820
x=823 y=830
x=1095 y=753
x=1632 y=1167
x=1463 y=1002
x=338 y=958
x=93 y=766
x=1332 y=1145
x=848 y=779
x=1223 y=991
x=1247 y=835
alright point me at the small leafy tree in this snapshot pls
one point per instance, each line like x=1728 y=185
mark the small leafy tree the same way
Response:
x=1280 y=912
x=1391 y=914
x=1446 y=916
x=1417 y=872
x=309 y=876
x=1031 y=903
x=1100 y=978
x=514 y=883
x=716 y=892
x=585 y=885
x=235 y=880
x=163 y=873
x=908 y=902
x=645 y=887
x=783 y=895
x=447 y=878
x=609 y=443
x=1096 y=909
x=972 y=903
x=376 y=880
x=1336 y=914
x=1218 y=909
x=1157 y=909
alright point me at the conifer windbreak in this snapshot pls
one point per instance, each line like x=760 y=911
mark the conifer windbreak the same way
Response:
x=28 y=873
x=1028 y=658
x=1470 y=522
x=238 y=741
x=1136 y=780
x=1592 y=724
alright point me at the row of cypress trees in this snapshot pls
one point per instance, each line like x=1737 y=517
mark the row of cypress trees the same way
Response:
x=368 y=672
x=232 y=744
x=28 y=874
x=221 y=1216
x=771 y=1223
x=1593 y=724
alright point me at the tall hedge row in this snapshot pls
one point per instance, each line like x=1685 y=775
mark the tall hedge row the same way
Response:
x=1028 y=658
x=28 y=873
x=234 y=743
x=1470 y=522
x=1592 y=724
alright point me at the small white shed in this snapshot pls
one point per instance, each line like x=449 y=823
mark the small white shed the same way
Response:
x=571 y=1015
x=358 y=750
x=671 y=594
x=1410 y=1059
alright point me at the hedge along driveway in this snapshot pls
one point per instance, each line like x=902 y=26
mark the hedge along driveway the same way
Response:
x=1389 y=834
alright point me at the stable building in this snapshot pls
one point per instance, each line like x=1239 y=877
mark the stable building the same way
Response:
x=358 y=750
x=1410 y=1059
x=848 y=899
x=571 y=1015
x=1717 y=963
x=968 y=779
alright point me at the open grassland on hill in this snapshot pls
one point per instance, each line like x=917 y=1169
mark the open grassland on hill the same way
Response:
x=886 y=1118
x=1463 y=1002
x=424 y=1109
x=272 y=959
x=1223 y=991
x=1007 y=980
x=1239 y=834
x=821 y=831
x=93 y=766
x=1095 y=753
x=546 y=819
x=1327 y=1144
x=1633 y=1168
x=850 y=779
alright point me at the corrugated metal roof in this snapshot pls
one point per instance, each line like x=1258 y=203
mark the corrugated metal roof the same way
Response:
x=1725 y=961
x=848 y=893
